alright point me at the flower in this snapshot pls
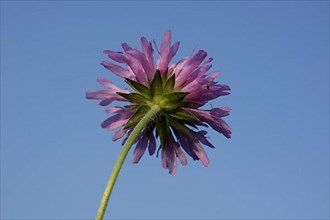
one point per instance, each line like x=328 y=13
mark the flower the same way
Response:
x=179 y=89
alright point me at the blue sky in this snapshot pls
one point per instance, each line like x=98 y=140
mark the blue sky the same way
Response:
x=55 y=158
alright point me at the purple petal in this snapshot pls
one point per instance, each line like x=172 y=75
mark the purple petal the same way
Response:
x=200 y=136
x=180 y=155
x=222 y=127
x=221 y=111
x=173 y=50
x=197 y=73
x=186 y=146
x=131 y=61
x=201 y=154
x=148 y=51
x=126 y=47
x=147 y=66
x=118 y=70
x=119 y=134
x=113 y=109
x=129 y=131
x=108 y=101
x=110 y=85
x=176 y=149
x=116 y=56
x=107 y=96
x=171 y=161
x=152 y=144
x=213 y=75
x=191 y=64
x=164 y=159
x=199 y=151
x=117 y=120
x=203 y=89
x=140 y=149
x=98 y=94
x=165 y=48
x=169 y=155
x=212 y=118
x=208 y=60
x=136 y=68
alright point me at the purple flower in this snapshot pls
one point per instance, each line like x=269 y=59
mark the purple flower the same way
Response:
x=180 y=89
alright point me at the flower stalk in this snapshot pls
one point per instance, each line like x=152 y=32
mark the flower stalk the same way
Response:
x=127 y=146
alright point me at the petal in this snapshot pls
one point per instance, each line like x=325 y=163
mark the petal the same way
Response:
x=147 y=66
x=186 y=145
x=171 y=154
x=173 y=50
x=137 y=68
x=191 y=64
x=180 y=155
x=108 y=101
x=214 y=74
x=208 y=60
x=164 y=52
x=110 y=85
x=164 y=159
x=116 y=69
x=107 y=95
x=193 y=78
x=200 y=136
x=99 y=94
x=171 y=161
x=222 y=127
x=119 y=134
x=148 y=51
x=152 y=144
x=199 y=151
x=129 y=131
x=212 y=118
x=113 y=109
x=116 y=56
x=117 y=120
x=126 y=47
x=221 y=111
x=178 y=67
x=168 y=155
x=140 y=149
x=178 y=152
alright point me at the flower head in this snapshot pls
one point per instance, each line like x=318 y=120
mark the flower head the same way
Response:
x=179 y=89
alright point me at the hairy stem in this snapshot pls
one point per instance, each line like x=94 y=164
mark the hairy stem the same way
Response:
x=127 y=146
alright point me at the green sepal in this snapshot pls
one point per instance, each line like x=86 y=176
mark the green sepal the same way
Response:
x=169 y=85
x=132 y=107
x=179 y=126
x=184 y=115
x=138 y=87
x=162 y=129
x=150 y=127
x=165 y=75
x=134 y=97
x=137 y=116
x=189 y=104
x=172 y=100
x=156 y=86
x=191 y=124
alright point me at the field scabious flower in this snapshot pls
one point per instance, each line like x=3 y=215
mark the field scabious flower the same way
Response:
x=179 y=90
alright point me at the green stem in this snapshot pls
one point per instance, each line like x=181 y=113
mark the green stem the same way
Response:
x=127 y=146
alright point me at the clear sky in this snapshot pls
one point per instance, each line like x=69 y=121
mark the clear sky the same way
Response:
x=56 y=159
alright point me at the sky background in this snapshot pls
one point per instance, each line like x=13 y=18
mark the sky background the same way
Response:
x=56 y=159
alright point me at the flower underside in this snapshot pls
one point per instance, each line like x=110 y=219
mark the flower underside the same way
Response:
x=178 y=89
x=161 y=92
